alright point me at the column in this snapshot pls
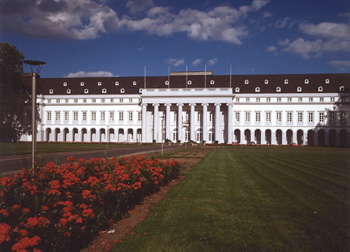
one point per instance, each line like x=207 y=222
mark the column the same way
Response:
x=167 y=121
x=229 y=123
x=144 y=123
x=273 y=137
x=295 y=137
x=155 y=121
x=252 y=136
x=192 y=123
x=217 y=121
x=204 y=121
x=284 y=137
x=315 y=137
x=243 y=140
x=262 y=140
x=179 y=122
x=326 y=140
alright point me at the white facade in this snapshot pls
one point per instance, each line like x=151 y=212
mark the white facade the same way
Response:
x=210 y=114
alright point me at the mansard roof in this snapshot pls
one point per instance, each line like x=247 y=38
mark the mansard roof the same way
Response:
x=283 y=83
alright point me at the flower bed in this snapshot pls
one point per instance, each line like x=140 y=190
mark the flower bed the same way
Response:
x=62 y=208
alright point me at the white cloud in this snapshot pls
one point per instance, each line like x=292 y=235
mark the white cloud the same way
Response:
x=212 y=62
x=221 y=23
x=89 y=19
x=136 y=6
x=324 y=37
x=196 y=62
x=271 y=49
x=175 y=62
x=74 y=19
x=341 y=64
x=90 y=74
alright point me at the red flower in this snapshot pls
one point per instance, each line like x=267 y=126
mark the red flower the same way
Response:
x=23 y=232
x=44 y=208
x=4 y=212
x=86 y=193
x=25 y=210
x=71 y=158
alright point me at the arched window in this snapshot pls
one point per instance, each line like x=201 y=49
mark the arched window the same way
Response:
x=320 y=89
x=122 y=90
x=167 y=83
x=189 y=82
x=257 y=89
x=326 y=81
x=306 y=81
x=82 y=84
x=246 y=82
x=237 y=89
x=134 y=83
x=266 y=81
x=140 y=90
x=278 y=89
x=86 y=91
x=65 y=84
x=116 y=83
x=342 y=89
x=286 y=81
x=299 y=89
x=51 y=91
x=99 y=83
x=104 y=91
x=69 y=91
x=212 y=82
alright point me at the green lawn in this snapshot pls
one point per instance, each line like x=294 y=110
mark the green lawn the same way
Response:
x=259 y=199
x=9 y=149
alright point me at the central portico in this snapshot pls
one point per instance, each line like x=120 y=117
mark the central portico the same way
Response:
x=189 y=114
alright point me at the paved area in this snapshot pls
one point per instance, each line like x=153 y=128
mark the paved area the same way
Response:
x=13 y=164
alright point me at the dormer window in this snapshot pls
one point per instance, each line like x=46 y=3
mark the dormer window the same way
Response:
x=134 y=83
x=189 y=82
x=266 y=81
x=306 y=81
x=104 y=91
x=51 y=91
x=257 y=89
x=82 y=84
x=167 y=83
x=122 y=90
x=320 y=89
x=140 y=90
x=342 y=89
x=65 y=84
x=299 y=89
x=278 y=89
x=99 y=83
x=86 y=91
x=212 y=82
x=116 y=83
x=326 y=81
x=237 y=89
x=286 y=81
x=69 y=91
x=246 y=82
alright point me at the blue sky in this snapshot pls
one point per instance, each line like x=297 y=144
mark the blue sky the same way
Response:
x=119 y=37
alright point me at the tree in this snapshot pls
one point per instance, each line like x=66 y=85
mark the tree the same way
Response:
x=14 y=95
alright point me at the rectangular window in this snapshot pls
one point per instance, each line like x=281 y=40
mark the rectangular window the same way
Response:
x=174 y=136
x=111 y=116
x=279 y=117
x=289 y=99
x=268 y=99
x=237 y=117
x=130 y=116
x=84 y=116
x=247 y=99
x=103 y=116
x=321 y=117
x=311 y=117
x=268 y=116
x=139 y=116
x=258 y=99
x=187 y=117
x=300 y=99
x=279 y=99
x=332 y=116
x=49 y=116
x=321 y=99
x=175 y=117
x=58 y=116
x=66 y=116
x=130 y=100
x=289 y=116
x=121 y=116
x=247 y=116
x=257 y=116
x=343 y=116
x=311 y=99
x=93 y=116
x=210 y=137
x=300 y=117
x=332 y=99
x=210 y=116
x=75 y=116
x=198 y=117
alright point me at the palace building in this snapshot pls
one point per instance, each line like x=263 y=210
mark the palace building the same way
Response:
x=302 y=109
